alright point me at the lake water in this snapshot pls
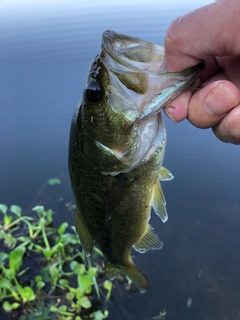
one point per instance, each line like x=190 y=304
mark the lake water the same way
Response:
x=45 y=50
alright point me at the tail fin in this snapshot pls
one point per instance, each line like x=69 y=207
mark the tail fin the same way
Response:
x=131 y=271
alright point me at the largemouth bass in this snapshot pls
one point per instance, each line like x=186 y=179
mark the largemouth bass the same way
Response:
x=117 y=145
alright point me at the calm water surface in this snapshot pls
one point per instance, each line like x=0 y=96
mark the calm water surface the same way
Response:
x=45 y=50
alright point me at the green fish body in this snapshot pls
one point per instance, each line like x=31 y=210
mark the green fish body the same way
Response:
x=116 y=150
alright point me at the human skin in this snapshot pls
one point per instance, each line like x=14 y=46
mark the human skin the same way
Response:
x=210 y=33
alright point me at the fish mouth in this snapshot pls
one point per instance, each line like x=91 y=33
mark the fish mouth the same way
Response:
x=137 y=76
x=131 y=59
x=138 y=88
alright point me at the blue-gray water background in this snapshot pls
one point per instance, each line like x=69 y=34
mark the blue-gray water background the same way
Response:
x=45 y=51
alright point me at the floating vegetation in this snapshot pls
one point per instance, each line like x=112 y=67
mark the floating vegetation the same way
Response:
x=162 y=315
x=43 y=272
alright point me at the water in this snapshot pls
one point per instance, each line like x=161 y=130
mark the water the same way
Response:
x=45 y=50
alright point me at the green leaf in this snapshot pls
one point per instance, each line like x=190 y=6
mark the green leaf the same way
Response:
x=38 y=209
x=85 y=302
x=5 y=283
x=16 y=210
x=45 y=274
x=92 y=271
x=79 y=268
x=38 y=278
x=85 y=282
x=108 y=285
x=3 y=256
x=27 y=240
x=48 y=253
x=98 y=315
x=54 y=181
x=40 y=285
x=9 y=307
x=15 y=258
x=54 y=273
x=62 y=228
x=49 y=214
x=70 y=296
x=79 y=293
x=27 y=294
x=54 y=309
x=2 y=234
x=70 y=238
x=64 y=283
x=7 y=220
x=10 y=241
x=3 y=208
x=62 y=308
x=161 y=316
x=9 y=273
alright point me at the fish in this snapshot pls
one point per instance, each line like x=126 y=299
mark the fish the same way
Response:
x=116 y=150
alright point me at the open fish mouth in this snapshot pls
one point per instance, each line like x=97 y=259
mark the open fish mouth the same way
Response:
x=138 y=87
x=137 y=65
x=131 y=59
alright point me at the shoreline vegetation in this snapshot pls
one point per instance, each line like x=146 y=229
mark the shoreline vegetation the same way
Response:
x=43 y=271
x=45 y=274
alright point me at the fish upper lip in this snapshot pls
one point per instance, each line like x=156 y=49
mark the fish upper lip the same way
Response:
x=109 y=38
x=137 y=65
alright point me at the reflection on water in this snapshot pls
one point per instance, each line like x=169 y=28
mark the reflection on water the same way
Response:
x=45 y=50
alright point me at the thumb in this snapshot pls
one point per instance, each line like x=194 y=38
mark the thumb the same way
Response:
x=206 y=107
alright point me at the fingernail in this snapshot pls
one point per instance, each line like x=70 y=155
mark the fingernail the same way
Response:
x=218 y=100
x=169 y=112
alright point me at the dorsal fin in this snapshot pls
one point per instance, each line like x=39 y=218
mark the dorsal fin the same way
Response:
x=159 y=202
x=165 y=174
x=149 y=241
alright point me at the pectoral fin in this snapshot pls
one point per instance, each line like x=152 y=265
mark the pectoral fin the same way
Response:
x=165 y=174
x=159 y=202
x=117 y=193
x=149 y=241
x=84 y=234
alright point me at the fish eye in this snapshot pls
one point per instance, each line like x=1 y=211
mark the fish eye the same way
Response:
x=93 y=91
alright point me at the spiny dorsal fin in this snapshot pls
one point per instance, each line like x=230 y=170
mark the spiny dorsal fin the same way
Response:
x=159 y=202
x=165 y=174
x=149 y=241
x=84 y=234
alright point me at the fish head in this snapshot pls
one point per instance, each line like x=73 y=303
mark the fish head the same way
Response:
x=124 y=93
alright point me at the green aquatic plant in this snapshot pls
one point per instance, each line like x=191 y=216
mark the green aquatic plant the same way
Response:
x=54 y=181
x=162 y=315
x=64 y=281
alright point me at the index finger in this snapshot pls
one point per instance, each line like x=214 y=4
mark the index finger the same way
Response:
x=208 y=31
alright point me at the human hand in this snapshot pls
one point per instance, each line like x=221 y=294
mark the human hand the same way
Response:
x=212 y=34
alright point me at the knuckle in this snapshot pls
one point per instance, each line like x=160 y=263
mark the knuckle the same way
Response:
x=230 y=129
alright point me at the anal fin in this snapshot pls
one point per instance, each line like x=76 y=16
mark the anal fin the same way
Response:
x=84 y=234
x=165 y=174
x=159 y=202
x=149 y=241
